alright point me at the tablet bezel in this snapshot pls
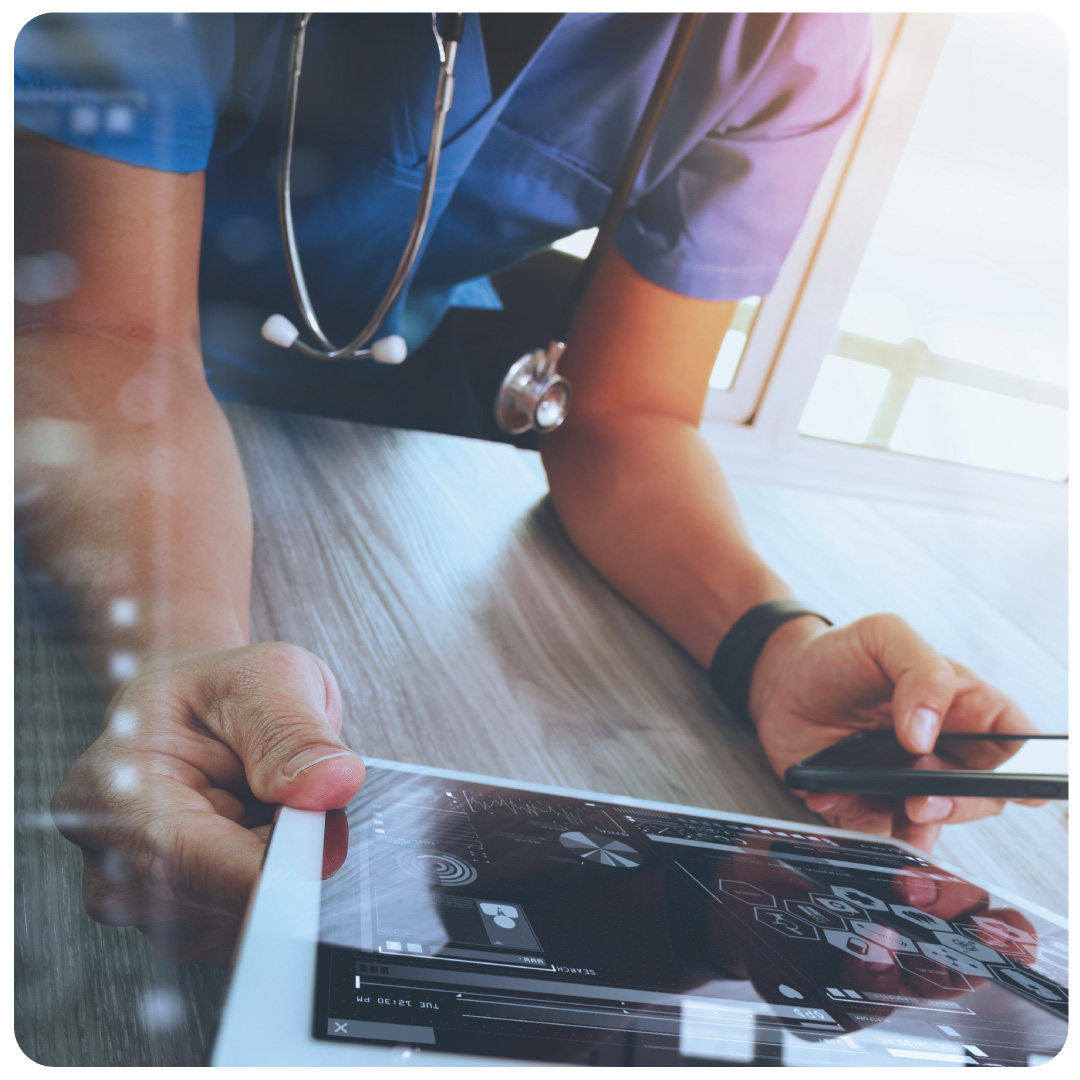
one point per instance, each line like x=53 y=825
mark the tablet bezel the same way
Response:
x=267 y=1019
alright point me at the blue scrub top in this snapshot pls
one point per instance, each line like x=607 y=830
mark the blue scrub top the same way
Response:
x=759 y=106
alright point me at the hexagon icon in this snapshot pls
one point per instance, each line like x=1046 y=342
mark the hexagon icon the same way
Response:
x=816 y=915
x=860 y=898
x=1026 y=981
x=932 y=971
x=885 y=936
x=859 y=947
x=920 y=917
x=747 y=893
x=958 y=962
x=968 y=947
x=1000 y=928
x=835 y=904
x=785 y=923
x=1002 y=946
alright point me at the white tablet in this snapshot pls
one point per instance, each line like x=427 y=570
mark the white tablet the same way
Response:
x=482 y=921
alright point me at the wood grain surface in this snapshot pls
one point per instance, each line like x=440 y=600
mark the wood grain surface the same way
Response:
x=466 y=632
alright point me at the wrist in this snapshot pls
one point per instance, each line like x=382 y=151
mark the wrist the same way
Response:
x=781 y=646
x=735 y=665
x=161 y=639
x=753 y=585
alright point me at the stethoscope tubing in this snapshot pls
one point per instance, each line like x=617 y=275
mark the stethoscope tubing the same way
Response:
x=631 y=166
x=443 y=99
x=292 y=251
x=448 y=45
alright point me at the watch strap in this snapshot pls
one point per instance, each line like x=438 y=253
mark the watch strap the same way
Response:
x=732 y=668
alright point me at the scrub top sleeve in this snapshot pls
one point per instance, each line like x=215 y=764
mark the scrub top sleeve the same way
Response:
x=147 y=89
x=719 y=225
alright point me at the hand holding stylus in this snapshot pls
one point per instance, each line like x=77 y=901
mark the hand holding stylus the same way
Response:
x=813 y=687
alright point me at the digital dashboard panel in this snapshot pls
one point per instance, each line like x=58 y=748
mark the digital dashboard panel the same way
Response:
x=484 y=920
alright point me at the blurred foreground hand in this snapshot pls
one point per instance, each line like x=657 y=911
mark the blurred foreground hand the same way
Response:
x=172 y=804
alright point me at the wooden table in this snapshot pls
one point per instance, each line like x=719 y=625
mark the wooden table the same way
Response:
x=433 y=576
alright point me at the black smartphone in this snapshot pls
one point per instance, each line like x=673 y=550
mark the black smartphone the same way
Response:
x=874 y=763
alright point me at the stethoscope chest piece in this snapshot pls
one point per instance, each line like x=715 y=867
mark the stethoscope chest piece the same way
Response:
x=532 y=395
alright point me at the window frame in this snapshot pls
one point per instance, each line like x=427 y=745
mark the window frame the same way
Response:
x=753 y=426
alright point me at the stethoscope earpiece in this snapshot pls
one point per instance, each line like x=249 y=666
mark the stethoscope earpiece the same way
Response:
x=388 y=350
x=279 y=331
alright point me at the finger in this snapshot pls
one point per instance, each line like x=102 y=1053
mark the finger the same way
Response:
x=929 y=809
x=209 y=865
x=257 y=814
x=980 y=708
x=821 y=802
x=263 y=832
x=111 y=891
x=938 y=893
x=335 y=843
x=274 y=705
x=225 y=803
x=334 y=714
x=1008 y=931
x=117 y=893
x=916 y=888
x=924 y=682
x=945 y=810
x=151 y=721
x=163 y=829
x=117 y=898
x=169 y=842
x=922 y=836
x=104 y=801
x=201 y=860
x=862 y=813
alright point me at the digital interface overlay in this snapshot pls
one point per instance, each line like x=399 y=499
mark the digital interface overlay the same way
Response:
x=484 y=920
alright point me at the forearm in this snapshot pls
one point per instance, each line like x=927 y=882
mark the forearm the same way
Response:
x=646 y=502
x=130 y=499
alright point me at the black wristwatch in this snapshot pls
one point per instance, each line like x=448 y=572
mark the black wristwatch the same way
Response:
x=732 y=669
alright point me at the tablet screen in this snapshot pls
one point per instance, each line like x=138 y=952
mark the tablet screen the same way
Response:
x=485 y=920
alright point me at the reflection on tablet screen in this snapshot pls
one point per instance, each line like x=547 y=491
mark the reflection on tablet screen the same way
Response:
x=489 y=921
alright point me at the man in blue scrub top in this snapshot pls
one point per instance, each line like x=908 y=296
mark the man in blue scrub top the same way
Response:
x=147 y=157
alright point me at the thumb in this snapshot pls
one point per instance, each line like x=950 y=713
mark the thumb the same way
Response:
x=924 y=682
x=276 y=705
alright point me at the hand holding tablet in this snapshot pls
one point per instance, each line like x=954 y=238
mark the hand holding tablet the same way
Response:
x=171 y=804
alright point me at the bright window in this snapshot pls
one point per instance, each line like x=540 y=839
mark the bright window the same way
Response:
x=952 y=342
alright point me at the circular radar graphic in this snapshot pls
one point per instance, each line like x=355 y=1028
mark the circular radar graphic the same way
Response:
x=594 y=848
x=436 y=868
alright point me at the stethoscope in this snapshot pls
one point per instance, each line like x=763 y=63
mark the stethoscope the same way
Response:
x=533 y=394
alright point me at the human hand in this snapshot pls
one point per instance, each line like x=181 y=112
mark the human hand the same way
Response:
x=171 y=804
x=813 y=687
x=879 y=958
